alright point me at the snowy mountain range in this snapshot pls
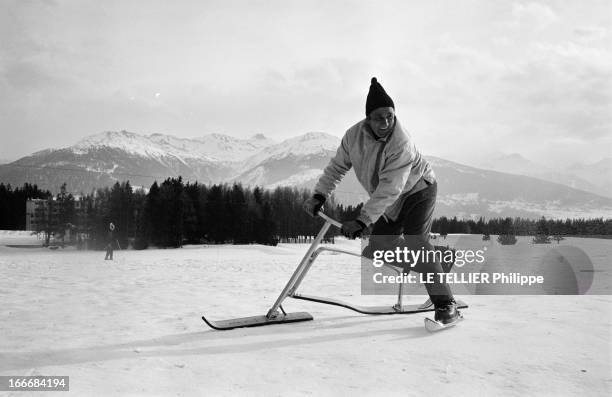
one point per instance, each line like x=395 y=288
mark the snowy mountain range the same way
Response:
x=598 y=173
x=595 y=177
x=102 y=159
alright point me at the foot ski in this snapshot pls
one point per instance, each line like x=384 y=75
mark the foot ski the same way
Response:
x=256 y=321
x=433 y=325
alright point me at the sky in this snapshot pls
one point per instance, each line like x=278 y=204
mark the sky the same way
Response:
x=469 y=78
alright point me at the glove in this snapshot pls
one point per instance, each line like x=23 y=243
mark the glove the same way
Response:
x=314 y=204
x=352 y=229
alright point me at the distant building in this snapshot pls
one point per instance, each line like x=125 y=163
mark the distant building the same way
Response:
x=41 y=212
x=44 y=214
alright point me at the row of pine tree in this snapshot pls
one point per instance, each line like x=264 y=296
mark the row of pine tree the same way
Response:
x=174 y=213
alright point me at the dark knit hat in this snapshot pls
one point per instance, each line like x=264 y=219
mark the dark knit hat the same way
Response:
x=377 y=97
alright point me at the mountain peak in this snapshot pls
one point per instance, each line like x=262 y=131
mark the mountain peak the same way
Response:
x=514 y=156
x=312 y=141
x=124 y=140
x=107 y=138
x=604 y=162
x=316 y=135
x=219 y=137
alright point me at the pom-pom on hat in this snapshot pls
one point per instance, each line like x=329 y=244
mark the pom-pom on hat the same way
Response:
x=377 y=97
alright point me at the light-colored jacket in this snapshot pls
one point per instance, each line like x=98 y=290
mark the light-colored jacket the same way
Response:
x=389 y=169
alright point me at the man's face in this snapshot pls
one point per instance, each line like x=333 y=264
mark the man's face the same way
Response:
x=381 y=121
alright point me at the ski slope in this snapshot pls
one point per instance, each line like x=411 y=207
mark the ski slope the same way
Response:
x=132 y=327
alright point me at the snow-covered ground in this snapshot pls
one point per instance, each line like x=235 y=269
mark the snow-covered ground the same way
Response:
x=19 y=237
x=132 y=327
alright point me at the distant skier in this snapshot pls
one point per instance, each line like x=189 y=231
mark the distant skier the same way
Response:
x=402 y=189
x=110 y=242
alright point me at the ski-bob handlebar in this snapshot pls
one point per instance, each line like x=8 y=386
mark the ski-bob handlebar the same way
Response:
x=330 y=220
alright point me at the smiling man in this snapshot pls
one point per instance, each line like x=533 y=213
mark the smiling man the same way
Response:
x=402 y=189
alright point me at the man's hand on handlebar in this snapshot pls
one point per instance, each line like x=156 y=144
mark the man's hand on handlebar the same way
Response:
x=314 y=204
x=352 y=229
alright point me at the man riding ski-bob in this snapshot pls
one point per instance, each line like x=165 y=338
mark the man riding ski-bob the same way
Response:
x=402 y=191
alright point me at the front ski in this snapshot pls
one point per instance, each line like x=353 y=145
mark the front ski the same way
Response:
x=257 y=321
x=373 y=310
x=434 y=326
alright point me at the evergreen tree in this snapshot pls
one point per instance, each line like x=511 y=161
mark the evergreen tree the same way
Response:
x=191 y=206
x=542 y=232
x=215 y=215
x=65 y=212
x=237 y=211
x=152 y=219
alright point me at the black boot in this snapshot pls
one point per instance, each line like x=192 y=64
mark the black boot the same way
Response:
x=447 y=313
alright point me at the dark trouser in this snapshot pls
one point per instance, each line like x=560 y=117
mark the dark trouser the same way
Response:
x=109 y=251
x=411 y=230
